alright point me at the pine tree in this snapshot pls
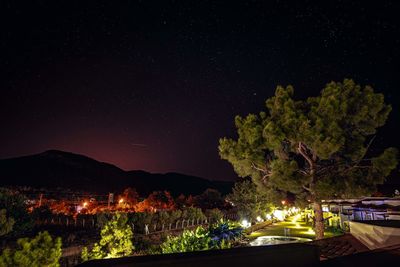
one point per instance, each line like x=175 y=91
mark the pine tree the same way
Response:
x=317 y=148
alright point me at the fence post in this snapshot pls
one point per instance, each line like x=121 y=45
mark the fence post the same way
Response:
x=176 y=224
x=183 y=222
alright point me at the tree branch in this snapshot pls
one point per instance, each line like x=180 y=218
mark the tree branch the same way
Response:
x=306 y=188
x=258 y=168
x=300 y=149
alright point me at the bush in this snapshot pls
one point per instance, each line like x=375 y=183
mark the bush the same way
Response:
x=223 y=233
x=16 y=208
x=140 y=219
x=116 y=240
x=102 y=218
x=217 y=236
x=6 y=223
x=40 y=251
x=214 y=215
x=187 y=241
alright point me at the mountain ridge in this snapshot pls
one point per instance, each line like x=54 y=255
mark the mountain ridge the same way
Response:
x=61 y=169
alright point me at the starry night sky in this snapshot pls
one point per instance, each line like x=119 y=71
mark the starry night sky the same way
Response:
x=153 y=85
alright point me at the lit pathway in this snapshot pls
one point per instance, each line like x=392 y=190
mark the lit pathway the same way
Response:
x=297 y=229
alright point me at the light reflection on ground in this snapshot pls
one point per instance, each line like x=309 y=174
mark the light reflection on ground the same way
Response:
x=277 y=240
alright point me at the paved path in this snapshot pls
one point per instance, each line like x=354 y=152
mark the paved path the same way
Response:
x=296 y=228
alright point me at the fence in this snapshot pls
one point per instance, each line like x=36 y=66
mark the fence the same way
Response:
x=91 y=222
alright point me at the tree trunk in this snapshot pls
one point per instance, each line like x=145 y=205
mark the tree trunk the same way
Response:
x=319 y=221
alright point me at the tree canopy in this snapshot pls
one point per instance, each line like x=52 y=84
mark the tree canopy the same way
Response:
x=248 y=201
x=16 y=210
x=316 y=148
x=116 y=240
x=39 y=251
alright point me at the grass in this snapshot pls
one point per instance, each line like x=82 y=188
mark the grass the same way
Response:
x=297 y=229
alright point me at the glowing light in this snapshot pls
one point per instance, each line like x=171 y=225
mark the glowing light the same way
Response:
x=296 y=218
x=121 y=201
x=259 y=219
x=268 y=217
x=310 y=231
x=283 y=202
x=279 y=215
x=85 y=204
x=245 y=223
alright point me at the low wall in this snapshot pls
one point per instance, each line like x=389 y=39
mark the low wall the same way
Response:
x=294 y=255
x=375 y=236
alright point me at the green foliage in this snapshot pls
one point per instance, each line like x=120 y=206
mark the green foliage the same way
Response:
x=37 y=252
x=217 y=236
x=6 y=223
x=248 y=201
x=175 y=215
x=116 y=240
x=41 y=213
x=209 y=199
x=102 y=218
x=224 y=233
x=16 y=208
x=140 y=219
x=192 y=213
x=315 y=148
x=214 y=215
x=188 y=241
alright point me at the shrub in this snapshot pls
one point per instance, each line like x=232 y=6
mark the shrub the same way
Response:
x=6 y=223
x=40 y=251
x=16 y=208
x=214 y=215
x=217 y=236
x=116 y=240
x=187 y=241
x=223 y=233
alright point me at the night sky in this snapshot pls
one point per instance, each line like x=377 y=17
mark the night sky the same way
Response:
x=154 y=85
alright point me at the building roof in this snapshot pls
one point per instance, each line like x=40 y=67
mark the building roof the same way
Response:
x=389 y=256
x=339 y=246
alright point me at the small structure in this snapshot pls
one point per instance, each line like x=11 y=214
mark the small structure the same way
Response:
x=361 y=209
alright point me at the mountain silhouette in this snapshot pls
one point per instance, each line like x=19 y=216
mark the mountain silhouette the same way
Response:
x=58 y=169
